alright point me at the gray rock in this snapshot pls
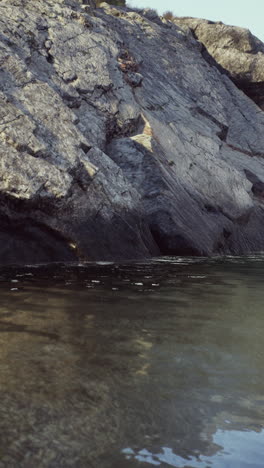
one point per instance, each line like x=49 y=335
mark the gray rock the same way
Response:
x=119 y=140
x=134 y=79
x=236 y=50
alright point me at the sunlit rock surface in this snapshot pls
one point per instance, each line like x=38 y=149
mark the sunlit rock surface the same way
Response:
x=119 y=140
x=235 y=49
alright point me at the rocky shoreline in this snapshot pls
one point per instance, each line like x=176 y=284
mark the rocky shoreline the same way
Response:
x=119 y=139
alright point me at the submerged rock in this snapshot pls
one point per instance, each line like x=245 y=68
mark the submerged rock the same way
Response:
x=119 y=140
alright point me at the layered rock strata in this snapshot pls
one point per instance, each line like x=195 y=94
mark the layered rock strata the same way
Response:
x=236 y=50
x=118 y=140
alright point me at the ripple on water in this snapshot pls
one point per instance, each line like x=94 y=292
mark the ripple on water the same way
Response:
x=164 y=358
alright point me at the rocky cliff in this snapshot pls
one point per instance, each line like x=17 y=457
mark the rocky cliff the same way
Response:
x=119 y=139
x=236 y=50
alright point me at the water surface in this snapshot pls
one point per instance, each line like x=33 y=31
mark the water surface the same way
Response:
x=133 y=366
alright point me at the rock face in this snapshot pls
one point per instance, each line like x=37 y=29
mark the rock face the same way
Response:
x=239 y=52
x=118 y=140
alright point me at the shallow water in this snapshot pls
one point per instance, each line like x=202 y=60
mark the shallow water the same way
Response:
x=128 y=366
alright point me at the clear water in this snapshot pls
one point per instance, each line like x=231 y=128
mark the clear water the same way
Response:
x=133 y=366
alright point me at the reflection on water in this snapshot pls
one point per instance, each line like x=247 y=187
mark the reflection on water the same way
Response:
x=126 y=366
x=235 y=449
